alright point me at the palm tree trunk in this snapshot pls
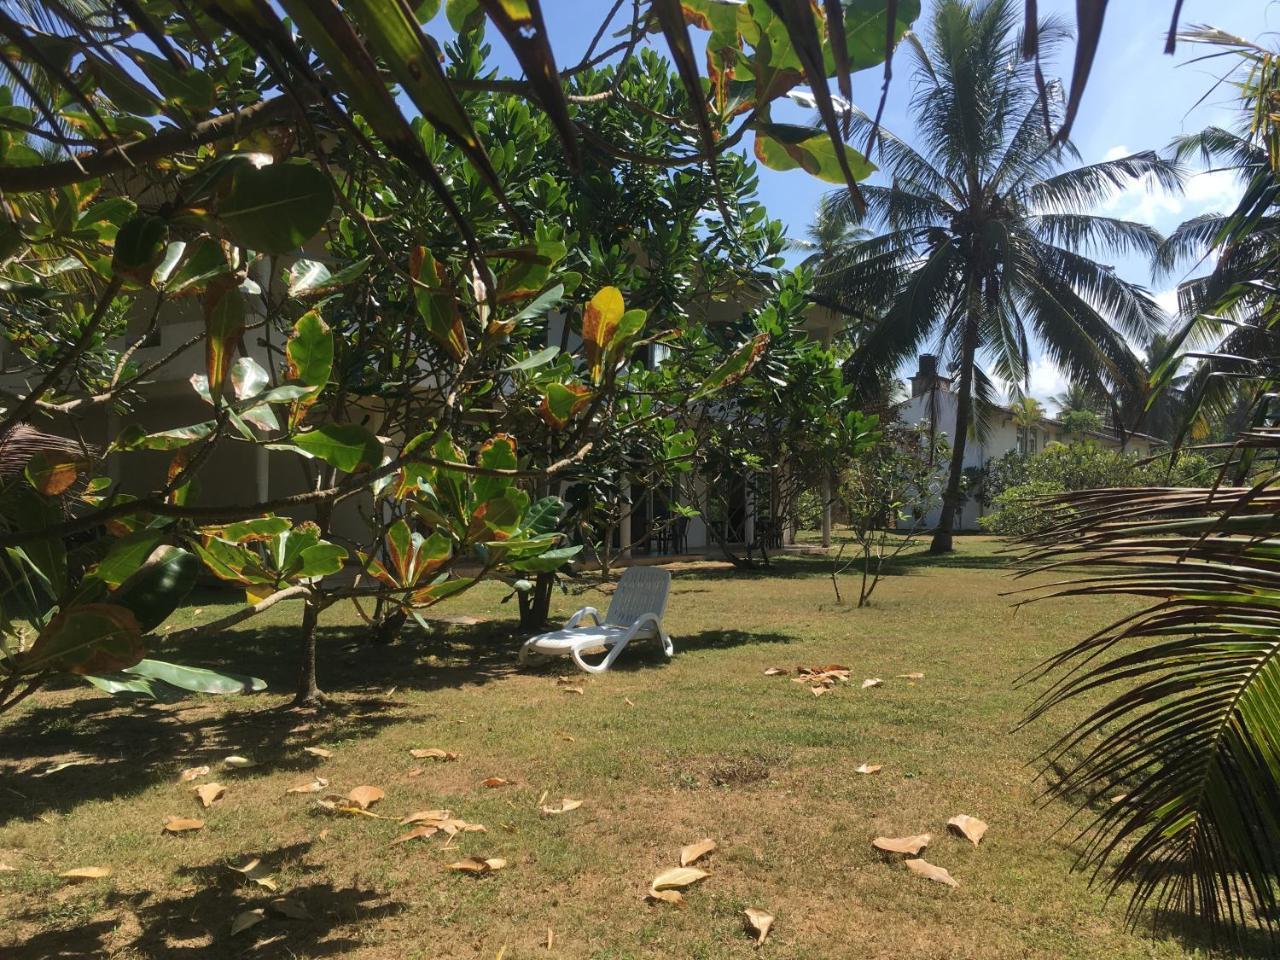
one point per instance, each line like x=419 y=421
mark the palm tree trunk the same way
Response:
x=953 y=500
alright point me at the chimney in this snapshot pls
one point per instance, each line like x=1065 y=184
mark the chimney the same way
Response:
x=927 y=378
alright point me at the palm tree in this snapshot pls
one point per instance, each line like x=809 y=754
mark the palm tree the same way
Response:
x=1027 y=414
x=986 y=240
x=828 y=238
x=1076 y=398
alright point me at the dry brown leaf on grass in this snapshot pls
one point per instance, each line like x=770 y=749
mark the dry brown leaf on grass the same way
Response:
x=289 y=908
x=209 y=793
x=5 y=868
x=253 y=871
x=774 y=671
x=666 y=896
x=421 y=830
x=426 y=816
x=332 y=803
x=320 y=752
x=565 y=806
x=691 y=853
x=573 y=690
x=182 y=825
x=867 y=768
x=923 y=868
x=677 y=878
x=871 y=682
x=365 y=796
x=238 y=763
x=910 y=676
x=971 y=828
x=495 y=782
x=191 y=773
x=476 y=866
x=818 y=691
x=628 y=701
x=567 y=738
x=758 y=923
x=309 y=786
x=246 y=919
x=434 y=753
x=908 y=845
x=416 y=772
x=453 y=826
x=79 y=874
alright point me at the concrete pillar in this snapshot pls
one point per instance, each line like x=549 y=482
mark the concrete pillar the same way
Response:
x=826 y=509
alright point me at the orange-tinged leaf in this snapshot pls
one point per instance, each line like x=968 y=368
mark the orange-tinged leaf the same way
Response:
x=80 y=874
x=759 y=923
x=923 y=868
x=493 y=782
x=599 y=325
x=191 y=773
x=208 y=793
x=696 y=851
x=365 y=796
x=971 y=828
x=867 y=768
x=434 y=753
x=909 y=845
x=182 y=825
x=677 y=878
x=422 y=830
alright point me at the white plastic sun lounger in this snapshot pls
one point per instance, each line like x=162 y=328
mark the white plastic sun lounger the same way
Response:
x=635 y=612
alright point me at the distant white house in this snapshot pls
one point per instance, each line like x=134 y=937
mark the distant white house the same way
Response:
x=933 y=401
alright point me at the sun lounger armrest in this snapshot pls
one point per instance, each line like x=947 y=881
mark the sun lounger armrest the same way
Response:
x=644 y=621
x=577 y=617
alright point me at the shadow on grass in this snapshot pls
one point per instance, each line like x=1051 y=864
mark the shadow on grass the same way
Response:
x=799 y=566
x=198 y=924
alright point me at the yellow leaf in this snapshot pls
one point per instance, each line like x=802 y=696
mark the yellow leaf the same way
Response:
x=677 y=877
x=320 y=752
x=565 y=806
x=971 y=828
x=433 y=753
x=667 y=896
x=365 y=796
x=599 y=325
x=696 y=851
x=908 y=845
x=758 y=923
x=239 y=763
x=210 y=792
x=924 y=868
x=247 y=919
x=182 y=825
x=77 y=874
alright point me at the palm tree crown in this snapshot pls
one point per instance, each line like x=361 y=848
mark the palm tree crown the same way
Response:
x=985 y=240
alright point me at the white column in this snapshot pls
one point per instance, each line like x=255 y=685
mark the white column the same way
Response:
x=826 y=509
x=624 y=525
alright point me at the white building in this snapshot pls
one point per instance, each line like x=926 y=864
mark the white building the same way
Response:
x=933 y=401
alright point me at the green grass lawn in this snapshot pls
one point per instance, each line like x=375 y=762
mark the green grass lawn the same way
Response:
x=661 y=755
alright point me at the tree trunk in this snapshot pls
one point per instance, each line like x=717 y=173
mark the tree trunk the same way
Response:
x=535 y=606
x=308 y=690
x=953 y=500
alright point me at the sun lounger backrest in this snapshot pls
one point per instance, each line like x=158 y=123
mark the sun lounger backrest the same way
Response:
x=641 y=590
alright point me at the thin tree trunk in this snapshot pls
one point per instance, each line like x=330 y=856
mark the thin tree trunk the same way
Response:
x=953 y=500
x=308 y=689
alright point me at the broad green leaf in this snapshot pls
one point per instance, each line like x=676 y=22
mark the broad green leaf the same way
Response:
x=117 y=684
x=496 y=453
x=530 y=271
x=541 y=305
x=464 y=15
x=561 y=402
x=546 y=562
x=248 y=378
x=785 y=146
x=544 y=516
x=153 y=592
x=245 y=531
x=135 y=439
x=322 y=559
x=91 y=638
x=139 y=248
x=437 y=303
x=310 y=350
x=864 y=31
x=196 y=679
x=436 y=592
x=346 y=446
x=202 y=262
x=737 y=366
x=127 y=556
x=224 y=321
x=276 y=208
x=535 y=360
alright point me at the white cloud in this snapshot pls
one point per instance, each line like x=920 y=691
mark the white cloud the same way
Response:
x=1211 y=192
x=1044 y=381
x=1168 y=299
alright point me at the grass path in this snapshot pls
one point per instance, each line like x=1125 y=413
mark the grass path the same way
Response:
x=661 y=755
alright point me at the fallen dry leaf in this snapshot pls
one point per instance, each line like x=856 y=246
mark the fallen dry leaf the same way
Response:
x=758 y=923
x=191 y=773
x=309 y=786
x=628 y=701
x=320 y=752
x=208 y=793
x=434 y=753
x=573 y=690
x=77 y=874
x=667 y=896
x=332 y=803
x=476 y=866
x=911 y=676
x=254 y=871
x=365 y=796
x=696 y=851
x=416 y=772
x=493 y=782
x=567 y=738
x=924 y=868
x=871 y=682
x=422 y=830
x=565 y=806
x=971 y=828
x=908 y=845
x=774 y=671
x=818 y=691
x=247 y=919
x=425 y=816
x=182 y=825
x=238 y=763
x=5 y=868
x=677 y=877
x=289 y=908
x=867 y=768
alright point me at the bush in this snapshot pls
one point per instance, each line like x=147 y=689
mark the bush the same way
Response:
x=806 y=511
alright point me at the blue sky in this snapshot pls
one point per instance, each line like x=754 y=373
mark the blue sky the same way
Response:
x=1137 y=99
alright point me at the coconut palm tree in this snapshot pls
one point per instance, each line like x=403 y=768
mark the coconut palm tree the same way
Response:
x=828 y=238
x=1027 y=413
x=986 y=237
x=1076 y=398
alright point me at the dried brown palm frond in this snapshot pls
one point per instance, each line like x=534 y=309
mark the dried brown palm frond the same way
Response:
x=22 y=441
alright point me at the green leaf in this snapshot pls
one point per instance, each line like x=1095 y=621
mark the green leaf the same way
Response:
x=276 y=208
x=310 y=351
x=544 y=516
x=139 y=248
x=546 y=562
x=561 y=401
x=244 y=531
x=202 y=262
x=497 y=453
x=322 y=560
x=127 y=555
x=196 y=679
x=346 y=446
x=224 y=322
x=737 y=366
x=535 y=360
x=90 y=638
x=153 y=592
x=786 y=146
